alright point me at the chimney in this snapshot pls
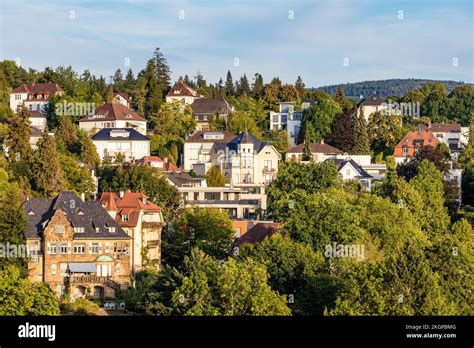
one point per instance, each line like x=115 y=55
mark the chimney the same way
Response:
x=121 y=194
x=83 y=196
x=165 y=159
x=322 y=141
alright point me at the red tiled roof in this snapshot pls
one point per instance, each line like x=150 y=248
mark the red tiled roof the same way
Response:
x=112 y=112
x=414 y=140
x=182 y=89
x=258 y=233
x=167 y=166
x=35 y=88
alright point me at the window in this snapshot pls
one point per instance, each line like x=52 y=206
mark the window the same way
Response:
x=63 y=268
x=79 y=248
x=59 y=229
x=79 y=230
x=53 y=269
x=348 y=171
x=275 y=118
x=111 y=229
x=125 y=217
x=94 y=248
x=63 y=248
x=52 y=248
x=405 y=152
x=107 y=248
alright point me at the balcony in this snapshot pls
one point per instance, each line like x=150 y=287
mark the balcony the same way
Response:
x=268 y=170
x=93 y=279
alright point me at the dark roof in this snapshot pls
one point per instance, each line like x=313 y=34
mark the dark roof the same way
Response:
x=242 y=138
x=35 y=132
x=315 y=148
x=89 y=215
x=341 y=163
x=198 y=137
x=37 y=114
x=373 y=100
x=442 y=128
x=180 y=179
x=105 y=134
x=35 y=88
x=211 y=107
x=112 y=112
x=258 y=233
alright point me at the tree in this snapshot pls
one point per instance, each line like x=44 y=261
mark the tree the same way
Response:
x=229 y=289
x=162 y=70
x=48 y=175
x=12 y=219
x=467 y=186
x=244 y=87
x=78 y=179
x=342 y=132
x=429 y=183
x=436 y=156
x=320 y=116
x=257 y=87
x=214 y=177
x=229 y=85
x=208 y=229
x=278 y=139
x=299 y=84
x=153 y=92
x=361 y=136
x=66 y=135
x=17 y=142
x=88 y=152
x=20 y=297
x=385 y=131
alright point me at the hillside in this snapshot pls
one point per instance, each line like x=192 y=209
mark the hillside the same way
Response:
x=396 y=87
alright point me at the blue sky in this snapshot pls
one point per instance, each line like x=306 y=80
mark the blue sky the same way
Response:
x=264 y=36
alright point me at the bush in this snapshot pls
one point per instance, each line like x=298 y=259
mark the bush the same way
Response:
x=81 y=306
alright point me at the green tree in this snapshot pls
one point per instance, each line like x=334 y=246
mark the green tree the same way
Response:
x=88 y=151
x=236 y=289
x=229 y=85
x=385 y=131
x=342 y=132
x=153 y=94
x=206 y=228
x=320 y=116
x=214 y=177
x=66 y=135
x=361 y=136
x=17 y=142
x=257 y=87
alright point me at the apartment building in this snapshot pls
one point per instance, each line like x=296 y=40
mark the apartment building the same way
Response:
x=289 y=118
x=129 y=143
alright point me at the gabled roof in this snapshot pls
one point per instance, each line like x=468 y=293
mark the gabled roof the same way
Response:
x=258 y=233
x=181 y=179
x=242 y=138
x=413 y=140
x=122 y=94
x=119 y=134
x=316 y=148
x=41 y=88
x=112 y=112
x=341 y=163
x=211 y=107
x=441 y=128
x=200 y=137
x=148 y=160
x=131 y=204
x=373 y=100
x=88 y=215
x=182 y=89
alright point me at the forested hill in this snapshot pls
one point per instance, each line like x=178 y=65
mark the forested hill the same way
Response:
x=385 y=88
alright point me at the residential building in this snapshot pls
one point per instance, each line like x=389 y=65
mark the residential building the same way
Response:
x=322 y=152
x=183 y=179
x=411 y=142
x=246 y=160
x=256 y=234
x=289 y=119
x=205 y=110
x=182 y=91
x=113 y=115
x=350 y=170
x=76 y=247
x=122 y=98
x=156 y=162
x=35 y=96
x=449 y=134
x=35 y=135
x=374 y=103
x=38 y=120
x=197 y=147
x=319 y=151
x=142 y=220
x=110 y=142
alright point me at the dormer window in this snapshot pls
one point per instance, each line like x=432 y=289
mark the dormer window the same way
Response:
x=125 y=218
x=97 y=229
x=111 y=229
x=79 y=230
x=144 y=200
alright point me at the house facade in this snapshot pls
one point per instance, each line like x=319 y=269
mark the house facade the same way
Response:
x=76 y=247
x=182 y=91
x=350 y=170
x=449 y=134
x=411 y=142
x=113 y=115
x=35 y=96
x=111 y=142
x=122 y=98
x=142 y=220
x=205 y=110
x=289 y=119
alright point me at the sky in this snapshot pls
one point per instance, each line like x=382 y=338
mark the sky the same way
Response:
x=325 y=42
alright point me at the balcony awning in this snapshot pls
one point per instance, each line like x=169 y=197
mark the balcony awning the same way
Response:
x=82 y=267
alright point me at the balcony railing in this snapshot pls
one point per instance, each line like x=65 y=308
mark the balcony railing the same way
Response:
x=77 y=280
x=268 y=170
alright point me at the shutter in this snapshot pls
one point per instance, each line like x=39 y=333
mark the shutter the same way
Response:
x=90 y=248
x=49 y=248
x=68 y=248
x=100 y=248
